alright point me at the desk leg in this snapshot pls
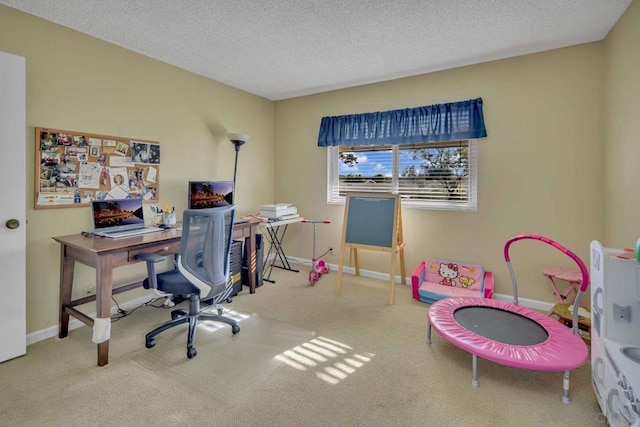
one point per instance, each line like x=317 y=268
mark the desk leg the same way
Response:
x=67 y=266
x=104 y=288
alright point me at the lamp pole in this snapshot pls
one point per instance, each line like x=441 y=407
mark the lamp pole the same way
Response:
x=238 y=141
x=238 y=144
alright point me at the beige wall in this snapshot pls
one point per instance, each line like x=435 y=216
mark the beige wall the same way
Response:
x=622 y=114
x=540 y=168
x=77 y=82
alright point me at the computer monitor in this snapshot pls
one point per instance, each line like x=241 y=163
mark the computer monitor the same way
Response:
x=210 y=194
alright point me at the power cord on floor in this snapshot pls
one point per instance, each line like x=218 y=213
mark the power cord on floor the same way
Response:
x=325 y=252
x=120 y=314
x=317 y=259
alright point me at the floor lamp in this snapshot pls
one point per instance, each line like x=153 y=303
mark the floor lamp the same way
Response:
x=238 y=140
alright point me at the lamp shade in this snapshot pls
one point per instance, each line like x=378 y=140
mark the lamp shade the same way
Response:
x=238 y=138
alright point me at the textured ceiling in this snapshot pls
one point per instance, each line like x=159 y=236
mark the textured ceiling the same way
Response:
x=280 y=49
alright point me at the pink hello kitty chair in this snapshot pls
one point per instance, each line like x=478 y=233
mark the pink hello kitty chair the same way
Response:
x=435 y=279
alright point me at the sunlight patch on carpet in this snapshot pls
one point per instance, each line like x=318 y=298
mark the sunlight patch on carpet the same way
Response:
x=211 y=325
x=332 y=361
x=228 y=367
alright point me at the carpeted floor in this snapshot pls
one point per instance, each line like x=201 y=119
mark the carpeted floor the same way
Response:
x=304 y=357
x=255 y=349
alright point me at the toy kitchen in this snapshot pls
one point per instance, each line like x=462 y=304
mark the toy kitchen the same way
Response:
x=615 y=333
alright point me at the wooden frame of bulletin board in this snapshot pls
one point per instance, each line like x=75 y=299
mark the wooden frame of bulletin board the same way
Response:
x=74 y=168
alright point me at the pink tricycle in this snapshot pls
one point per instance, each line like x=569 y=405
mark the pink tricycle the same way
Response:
x=318 y=267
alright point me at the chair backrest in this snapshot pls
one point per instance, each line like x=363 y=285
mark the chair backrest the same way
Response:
x=205 y=248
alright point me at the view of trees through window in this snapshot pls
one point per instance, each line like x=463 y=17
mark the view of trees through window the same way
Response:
x=431 y=172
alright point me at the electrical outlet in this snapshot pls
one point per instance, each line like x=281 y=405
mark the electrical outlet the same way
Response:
x=330 y=249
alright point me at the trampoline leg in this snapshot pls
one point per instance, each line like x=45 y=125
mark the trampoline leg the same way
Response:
x=428 y=332
x=565 y=388
x=474 y=380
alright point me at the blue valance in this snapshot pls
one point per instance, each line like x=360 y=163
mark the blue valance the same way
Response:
x=431 y=123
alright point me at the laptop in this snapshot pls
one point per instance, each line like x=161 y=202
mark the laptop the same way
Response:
x=119 y=218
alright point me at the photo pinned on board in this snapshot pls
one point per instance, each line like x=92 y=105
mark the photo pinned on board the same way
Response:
x=64 y=139
x=80 y=140
x=140 y=152
x=48 y=141
x=121 y=148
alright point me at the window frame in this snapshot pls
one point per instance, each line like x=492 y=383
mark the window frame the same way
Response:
x=468 y=205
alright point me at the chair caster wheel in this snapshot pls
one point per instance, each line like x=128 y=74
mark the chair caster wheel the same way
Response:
x=150 y=343
x=235 y=329
x=191 y=352
x=176 y=314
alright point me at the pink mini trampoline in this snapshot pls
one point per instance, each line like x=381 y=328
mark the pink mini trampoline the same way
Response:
x=512 y=335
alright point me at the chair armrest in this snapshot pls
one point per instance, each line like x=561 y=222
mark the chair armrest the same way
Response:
x=417 y=277
x=488 y=285
x=151 y=259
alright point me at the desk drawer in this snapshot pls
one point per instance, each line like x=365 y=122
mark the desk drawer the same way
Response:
x=160 y=249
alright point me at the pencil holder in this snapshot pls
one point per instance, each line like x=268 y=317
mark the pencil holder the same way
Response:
x=169 y=218
x=172 y=219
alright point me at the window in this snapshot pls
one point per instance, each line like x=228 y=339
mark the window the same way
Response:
x=426 y=175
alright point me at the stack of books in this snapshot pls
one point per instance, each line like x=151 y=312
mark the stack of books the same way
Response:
x=279 y=211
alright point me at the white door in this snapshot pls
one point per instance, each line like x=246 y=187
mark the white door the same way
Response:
x=12 y=207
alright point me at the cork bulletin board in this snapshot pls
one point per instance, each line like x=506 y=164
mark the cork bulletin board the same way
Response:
x=74 y=168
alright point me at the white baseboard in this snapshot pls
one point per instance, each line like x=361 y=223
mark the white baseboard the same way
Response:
x=526 y=302
x=52 y=331
x=334 y=267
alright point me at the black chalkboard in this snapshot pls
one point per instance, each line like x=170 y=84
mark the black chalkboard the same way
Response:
x=370 y=219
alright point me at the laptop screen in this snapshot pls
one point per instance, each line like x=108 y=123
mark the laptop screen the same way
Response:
x=210 y=194
x=114 y=215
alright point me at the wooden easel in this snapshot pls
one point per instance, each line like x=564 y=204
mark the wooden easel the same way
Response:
x=373 y=221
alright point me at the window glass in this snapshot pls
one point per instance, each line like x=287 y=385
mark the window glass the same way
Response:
x=428 y=176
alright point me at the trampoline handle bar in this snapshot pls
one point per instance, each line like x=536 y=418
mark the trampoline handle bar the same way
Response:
x=583 y=268
x=583 y=271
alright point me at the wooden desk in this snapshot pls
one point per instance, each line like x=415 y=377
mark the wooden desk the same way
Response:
x=105 y=254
